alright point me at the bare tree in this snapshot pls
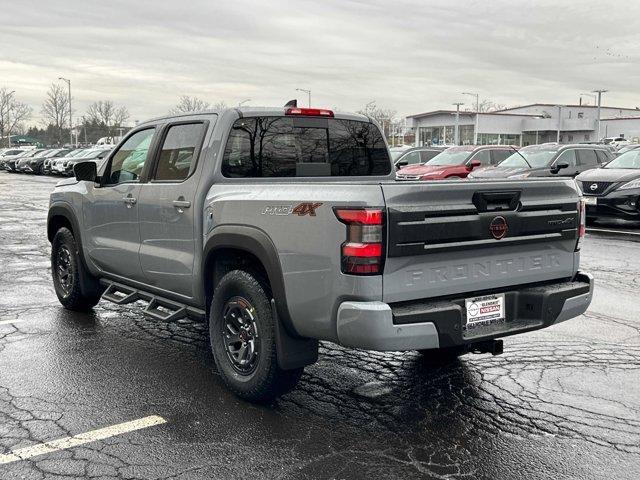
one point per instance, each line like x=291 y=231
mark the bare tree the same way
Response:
x=105 y=112
x=485 y=106
x=386 y=117
x=189 y=104
x=55 y=109
x=12 y=113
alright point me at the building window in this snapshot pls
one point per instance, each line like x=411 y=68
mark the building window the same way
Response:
x=498 y=139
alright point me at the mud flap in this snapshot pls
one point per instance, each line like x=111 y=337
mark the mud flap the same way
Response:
x=292 y=352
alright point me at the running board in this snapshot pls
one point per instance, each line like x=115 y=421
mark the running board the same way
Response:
x=158 y=308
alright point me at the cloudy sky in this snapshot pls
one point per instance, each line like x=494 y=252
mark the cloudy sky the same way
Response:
x=412 y=56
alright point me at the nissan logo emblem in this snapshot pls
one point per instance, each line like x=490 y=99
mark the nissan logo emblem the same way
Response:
x=498 y=227
x=593 y=186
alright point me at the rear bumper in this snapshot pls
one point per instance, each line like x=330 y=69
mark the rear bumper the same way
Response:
x=438 y=324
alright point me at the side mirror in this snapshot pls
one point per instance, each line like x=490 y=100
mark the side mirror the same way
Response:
x=474 y=164
x=559 y=166
x=401 y=163
x=85 y=171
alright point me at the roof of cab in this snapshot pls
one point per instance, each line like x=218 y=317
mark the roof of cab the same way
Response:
x=254 y=112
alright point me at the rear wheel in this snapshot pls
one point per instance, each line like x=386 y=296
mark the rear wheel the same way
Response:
x=75 y=287
x=242 y=335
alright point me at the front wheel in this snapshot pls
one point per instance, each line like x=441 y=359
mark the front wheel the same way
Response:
x=243 y=339
x=75 y=287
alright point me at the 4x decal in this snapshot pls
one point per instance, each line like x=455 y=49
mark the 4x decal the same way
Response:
x=302 y=209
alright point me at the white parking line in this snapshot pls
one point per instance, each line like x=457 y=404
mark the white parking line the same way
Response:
x=8 y=322
x=606 y=230
x=81 y=439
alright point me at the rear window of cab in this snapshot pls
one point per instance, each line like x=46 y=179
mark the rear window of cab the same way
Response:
x=304 y=147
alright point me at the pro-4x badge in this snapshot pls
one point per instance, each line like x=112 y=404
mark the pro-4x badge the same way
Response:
x=306 y=208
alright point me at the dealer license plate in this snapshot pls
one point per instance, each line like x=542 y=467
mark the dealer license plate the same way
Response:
x=485 y=311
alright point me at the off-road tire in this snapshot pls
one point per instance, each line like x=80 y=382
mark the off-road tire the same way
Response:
x=83 y=290
x=267 y=380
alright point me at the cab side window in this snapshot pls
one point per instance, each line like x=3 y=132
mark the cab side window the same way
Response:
x=127 y=163
x=587 y=158
x=178 y=150
x=500 y=155
x=483 y=156
x=568 y=156
x=411 y=158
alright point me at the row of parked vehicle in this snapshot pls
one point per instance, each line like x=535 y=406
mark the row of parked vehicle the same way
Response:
x=50 y=161
x=610 y=182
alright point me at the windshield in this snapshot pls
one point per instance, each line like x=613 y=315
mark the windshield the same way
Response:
x=451 y=156
x=627 y=149
x=536 y=156
x=626 y=160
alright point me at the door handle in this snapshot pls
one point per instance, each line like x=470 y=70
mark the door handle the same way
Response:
x=129 y=201
x=181 y=204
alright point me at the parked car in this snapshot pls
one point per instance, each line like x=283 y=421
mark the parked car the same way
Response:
x=456 y=162
x=36 y=163
x=548 y=159
x=416 y=155
x=64 y=166
x=613 y=190
x=616 y=142
x=397 y=151
x=306 y=236
x=10 y=162
x=46 y=166
x=628 y=148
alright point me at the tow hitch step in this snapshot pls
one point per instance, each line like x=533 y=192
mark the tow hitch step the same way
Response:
x=158 y=308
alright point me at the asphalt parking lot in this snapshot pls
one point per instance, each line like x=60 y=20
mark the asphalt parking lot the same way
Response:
x=559 y=403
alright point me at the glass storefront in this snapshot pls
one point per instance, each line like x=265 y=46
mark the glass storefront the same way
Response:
x=498 y=139
x=444 y=135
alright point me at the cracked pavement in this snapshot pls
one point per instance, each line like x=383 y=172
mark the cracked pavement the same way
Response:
x=560 y=403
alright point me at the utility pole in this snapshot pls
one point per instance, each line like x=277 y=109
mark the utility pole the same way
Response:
x=9 y=116
x=308 y=92
x=456 y=132
x=70 y=119
x=475 y=132
x=599 y=92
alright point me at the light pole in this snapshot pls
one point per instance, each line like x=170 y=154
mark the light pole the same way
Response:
x=70 y=120
x=475 y=132
x=9 y=116
x=308 y=92
x=599 y=92
x=244 y=101
x=456 y=131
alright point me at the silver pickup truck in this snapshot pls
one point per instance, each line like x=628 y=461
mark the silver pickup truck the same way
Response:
x=284 y=226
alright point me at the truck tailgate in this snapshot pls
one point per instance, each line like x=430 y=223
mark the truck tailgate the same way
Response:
x=446 y=238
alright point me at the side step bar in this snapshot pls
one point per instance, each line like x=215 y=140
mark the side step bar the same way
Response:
x=158 y=308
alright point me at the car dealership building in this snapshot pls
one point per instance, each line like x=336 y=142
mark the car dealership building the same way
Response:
x=527 y=125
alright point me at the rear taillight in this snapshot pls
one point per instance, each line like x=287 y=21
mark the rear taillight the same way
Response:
x=363 y=251
x=582 y=222
x=309 y=112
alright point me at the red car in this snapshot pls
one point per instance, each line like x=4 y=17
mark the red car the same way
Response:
x=456 y=162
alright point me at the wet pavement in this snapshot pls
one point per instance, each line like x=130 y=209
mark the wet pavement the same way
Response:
x=559 y=403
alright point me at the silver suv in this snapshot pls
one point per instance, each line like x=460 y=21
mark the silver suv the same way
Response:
x=284 y=226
